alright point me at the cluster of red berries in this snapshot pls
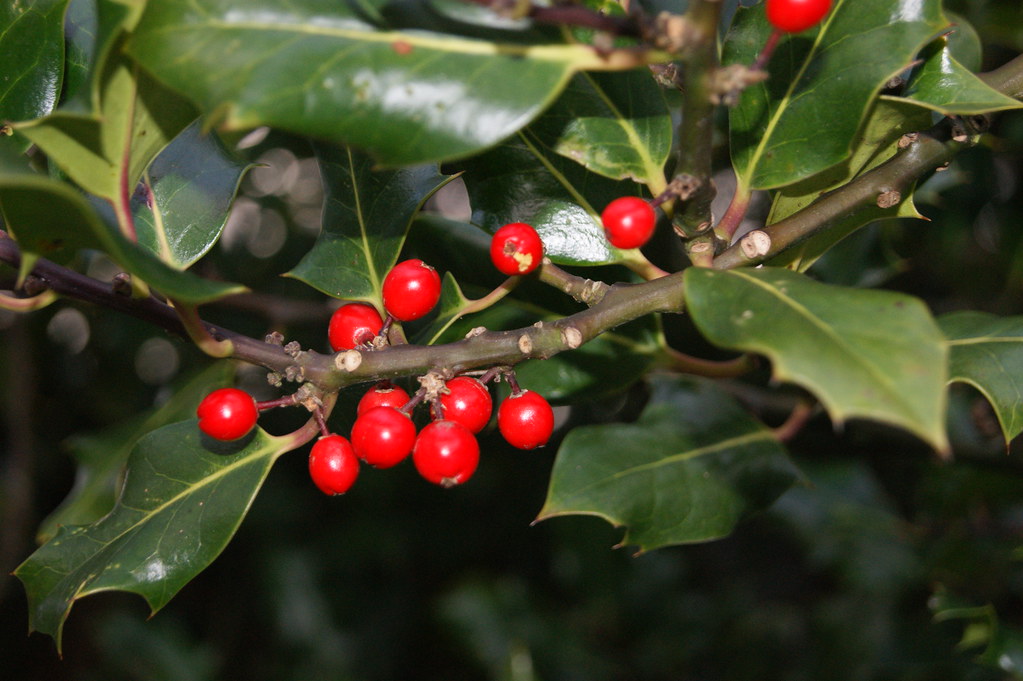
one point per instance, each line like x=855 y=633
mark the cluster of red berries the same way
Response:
x=445 y=452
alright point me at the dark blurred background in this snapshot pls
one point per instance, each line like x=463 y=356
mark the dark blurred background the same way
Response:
x=400 y=580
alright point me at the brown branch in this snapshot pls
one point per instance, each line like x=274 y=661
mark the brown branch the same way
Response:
x=695 y=130
x=928 y=151
x=620 y=304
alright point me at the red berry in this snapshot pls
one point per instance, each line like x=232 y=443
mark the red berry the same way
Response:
x=467 y=402
x=794 y=16
x=446 y=453
x=333 y=465
x=352 y=325
x=411 y=289
x=227 y=414
x=526 y=420
x=383 y=436
x=383 y=394
x=629 y=222
x=516 y=249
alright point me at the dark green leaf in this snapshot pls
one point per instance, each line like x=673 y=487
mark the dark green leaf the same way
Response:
x=182 y=204
x=875 y=143
x=614 y=124
x=987 y=353
x=180 y=506
x=1002 y=644
x=521 y=181
x=106 y=154
x=866 y=354
x=93 y=29
x=32 y=58
x=943 y=84
x=964 y=42
x=804 y=118
x=51 y=219
x=366 y=216
x=328 y=70
x=84 y=41
x=102 y=456
x=692 y=466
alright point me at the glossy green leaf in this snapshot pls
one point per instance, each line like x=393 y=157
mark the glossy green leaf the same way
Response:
x=182 y=204
x=180 y=506
x=942 y=84
x=101 y=457
x=32 y=55
x=521 y=181
x=964 y=42
x=692 y=466
x=864 y=354
x=51 y=219
x=366 y=215
x=83 y=40
x=350 y=73
x=804 y=118
x=876 y=142
x=106 y=154
x=987 y=353
x=92 y=29
x=614 y=124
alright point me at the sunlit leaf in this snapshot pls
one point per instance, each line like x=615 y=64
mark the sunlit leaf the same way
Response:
x=692 y=466
x=987 y=353
x=876 y=142
x=614 y=124
x=32 y=55
x=51 y=219
x=864 y=354
x=366 y=215
x=521 y=181
x=350 y=73
x=942 y=84
x=106 y=154
x=180 y=506
x=804 y=118
x=182 y=204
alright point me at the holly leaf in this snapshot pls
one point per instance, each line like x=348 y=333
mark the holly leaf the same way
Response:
x=613 y=124
x=944 y=85
x=986 y=352
x=875 y=144
x=32 y=54
x=692 y=466
x=101 y=457
x=804 y=118
x=105 y=154
x=51 y=218
x=864 y=354
x=366 y=215
x=180 y=506
x=521 y=181
x=352 y=72
x=183 y=201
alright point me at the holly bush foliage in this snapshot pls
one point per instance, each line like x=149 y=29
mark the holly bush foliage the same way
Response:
x=692 y=368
